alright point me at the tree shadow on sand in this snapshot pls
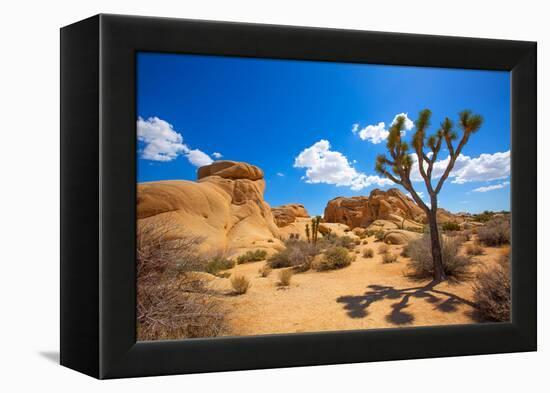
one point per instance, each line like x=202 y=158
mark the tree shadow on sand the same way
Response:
x=357 y=306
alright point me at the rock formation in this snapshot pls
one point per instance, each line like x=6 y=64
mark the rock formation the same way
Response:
x=287 y=214
x=225 y=206
x=360 y=211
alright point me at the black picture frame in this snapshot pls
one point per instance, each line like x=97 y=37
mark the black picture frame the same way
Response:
x=98 y=193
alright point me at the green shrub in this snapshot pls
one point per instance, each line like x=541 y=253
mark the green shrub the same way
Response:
x=389 y=257
x=450 y=226
x=455 y=266
x=496 y=232
x=492 y=292
x=346 y=241
x=335 y=258
x=284 y=278
x=297 y=254
x=218 y=263
x=252 y=256
x=368 y=253
x=240 y=284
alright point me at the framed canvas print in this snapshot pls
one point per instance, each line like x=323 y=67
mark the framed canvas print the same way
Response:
x=240 y=196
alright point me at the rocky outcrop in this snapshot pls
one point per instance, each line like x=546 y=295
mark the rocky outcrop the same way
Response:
x=398 y=236
x=225 y=206
x=287 y=214
x=360 y=211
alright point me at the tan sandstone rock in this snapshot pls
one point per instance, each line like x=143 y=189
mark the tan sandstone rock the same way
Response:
x=287 y=214
x=226 y=207
x=398 y=236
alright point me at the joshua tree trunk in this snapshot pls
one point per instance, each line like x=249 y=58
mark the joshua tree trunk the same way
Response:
x=439 y=271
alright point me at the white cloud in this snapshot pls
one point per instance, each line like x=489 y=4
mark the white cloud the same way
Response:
x=377 y=133
x=217 y=155
x=486 y=167
x=280 y=174
x=374 y=133
x=492 y=187
x=163 y=143
x=419 y=193
x=409 y=124
x=332 y=167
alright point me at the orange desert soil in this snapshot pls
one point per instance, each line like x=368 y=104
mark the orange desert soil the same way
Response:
x=367 y=294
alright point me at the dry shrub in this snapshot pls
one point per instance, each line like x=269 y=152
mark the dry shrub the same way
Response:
x=219 y=262
x=252 y=256
x=368 y=253
x=335 y=258
x=172 y=302
x=383 y=249
x=345 y=241
x=365 y=241
x=455 y=266
x=496 y=232
x=284 y=277
x=474 y=249
x=240 y=284
x=265 y=271
x=297 y=254
x=492 y=291
x=450 y=226
x=389 y=257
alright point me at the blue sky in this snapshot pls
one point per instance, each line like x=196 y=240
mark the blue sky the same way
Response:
x=306 y=124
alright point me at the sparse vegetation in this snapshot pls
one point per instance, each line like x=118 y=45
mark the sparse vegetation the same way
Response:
x=383 y=248
x=474 y=249
x=365 y=241
x=456 y=267
x=389 y=257
x=368 y=253
x=345 y=241
x=496 y=232
x=297 y=254
x=265 y=270
x=240 y=284
x=252 y=256
x=285 y=277
x=218 y=263
x=450 y=226
x=172 y=302
x=335 y=258
x=492 y=291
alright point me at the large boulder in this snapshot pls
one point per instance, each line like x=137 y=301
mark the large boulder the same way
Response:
x=398 y=236
x=287 y=214
x=225 y=206
x=360 y=211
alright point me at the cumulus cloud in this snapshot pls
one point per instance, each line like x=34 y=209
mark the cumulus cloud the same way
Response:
x=492 y=187
x=163 y=143
x=486 y=167
x=324 y=165
x=217 y=155
x=280 y=174
x=376 y=133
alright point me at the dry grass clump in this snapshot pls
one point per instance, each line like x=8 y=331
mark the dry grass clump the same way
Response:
x=450 y=226
x=365 y=241
x=218 y=263
x=252 y=256
x=473 y=249
x=455 y=266
x=240 y=284
x=284 y=277
x=297 y=254
x=383 y=249
x=335 y=258
x=265 y=270
x=389 y=257
x=496 y=232
x=492 y=291
x=172 y=301
x=368 y=253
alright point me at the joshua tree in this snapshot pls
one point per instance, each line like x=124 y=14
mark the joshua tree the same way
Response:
x=307 y=233
x=401 y=162
x=315 y=228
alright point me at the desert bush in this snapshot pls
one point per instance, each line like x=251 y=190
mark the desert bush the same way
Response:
x=357 y=241
x=297 y=254
x=365 y=241
x=345 y=241
x=483 y=217
x=379 y=235
x=492 y=292
x=383 y=248
x=496 y=232
x=389 y=257
x=474 y=249
x=172 y=303
x=455 y=266
x=368 y=253
x=450 y=226
x=284 y=277
x=252 y=256
x=265 y=270
x=217 y=263
x=335 y=258
x=240 y=284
